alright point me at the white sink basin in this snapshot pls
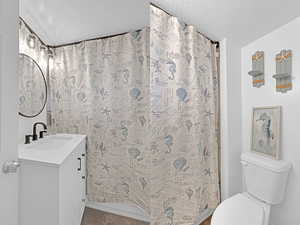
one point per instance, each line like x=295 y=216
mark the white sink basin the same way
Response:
x=50 y=143
x=53 y=149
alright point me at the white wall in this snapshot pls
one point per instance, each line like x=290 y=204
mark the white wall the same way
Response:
x=230 y=80
x=286 y=37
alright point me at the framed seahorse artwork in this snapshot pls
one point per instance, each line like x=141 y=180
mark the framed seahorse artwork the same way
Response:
x=266 y=131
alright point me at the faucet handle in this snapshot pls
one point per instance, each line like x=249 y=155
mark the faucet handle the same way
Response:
x=42 y=133
x=27 y=138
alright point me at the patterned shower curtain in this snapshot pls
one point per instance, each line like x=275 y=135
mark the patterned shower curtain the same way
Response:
x=34 y=104
x=148 y=102
x=184 y=122
x=101 y=88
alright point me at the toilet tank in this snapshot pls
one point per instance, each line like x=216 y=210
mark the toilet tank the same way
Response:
x=265 y=178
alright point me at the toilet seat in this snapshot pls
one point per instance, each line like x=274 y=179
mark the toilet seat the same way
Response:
x=239 y=210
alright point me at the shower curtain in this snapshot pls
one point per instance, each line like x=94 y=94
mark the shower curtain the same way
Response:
x=184 y=122
x=101 y=88
x=148 y=102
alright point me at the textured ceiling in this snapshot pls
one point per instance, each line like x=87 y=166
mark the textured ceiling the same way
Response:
x=63 y=21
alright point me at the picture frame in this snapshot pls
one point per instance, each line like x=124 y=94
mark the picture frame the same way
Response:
x=266 y=131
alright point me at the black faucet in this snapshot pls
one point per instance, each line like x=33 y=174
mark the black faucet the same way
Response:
x=34 y=134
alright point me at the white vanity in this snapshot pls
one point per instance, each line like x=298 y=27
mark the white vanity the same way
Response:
x=53 y=180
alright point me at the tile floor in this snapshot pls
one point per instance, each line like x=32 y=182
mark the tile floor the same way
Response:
x=96 y=217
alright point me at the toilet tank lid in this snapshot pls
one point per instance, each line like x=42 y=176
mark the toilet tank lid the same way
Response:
x=278 y=166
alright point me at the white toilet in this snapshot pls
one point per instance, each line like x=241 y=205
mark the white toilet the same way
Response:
x=264 y=182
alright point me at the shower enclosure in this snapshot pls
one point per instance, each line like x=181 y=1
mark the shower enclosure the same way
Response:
x=148 y=102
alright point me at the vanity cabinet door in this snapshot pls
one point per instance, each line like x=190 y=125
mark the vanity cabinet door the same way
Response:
x=81 y=179
x=70 y=190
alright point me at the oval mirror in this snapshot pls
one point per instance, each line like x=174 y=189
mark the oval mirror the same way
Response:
x=32 y=87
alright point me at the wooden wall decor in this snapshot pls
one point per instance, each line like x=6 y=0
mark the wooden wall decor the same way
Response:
x=258 y=69
x=283 y=74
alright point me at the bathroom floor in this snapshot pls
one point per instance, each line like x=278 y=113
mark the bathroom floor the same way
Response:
x=96 y=217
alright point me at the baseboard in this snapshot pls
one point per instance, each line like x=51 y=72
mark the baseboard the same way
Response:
x=207 y=213
x=121 y=210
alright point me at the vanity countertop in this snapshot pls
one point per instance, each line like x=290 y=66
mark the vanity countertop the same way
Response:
x=52 y=149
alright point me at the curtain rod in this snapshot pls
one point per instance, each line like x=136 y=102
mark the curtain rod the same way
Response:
x=165 y=11
x=32 y=32
x=93 y=39
x=212 y=41
x=76 y=42
x=105 y=37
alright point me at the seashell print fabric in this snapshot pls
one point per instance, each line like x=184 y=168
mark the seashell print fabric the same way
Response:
x=184 y=122
x=32 y=87
x=148 y=102
x=101 y=88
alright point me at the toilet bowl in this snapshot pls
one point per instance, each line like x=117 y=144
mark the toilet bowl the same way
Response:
x=241 y=209
x=264 y=183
